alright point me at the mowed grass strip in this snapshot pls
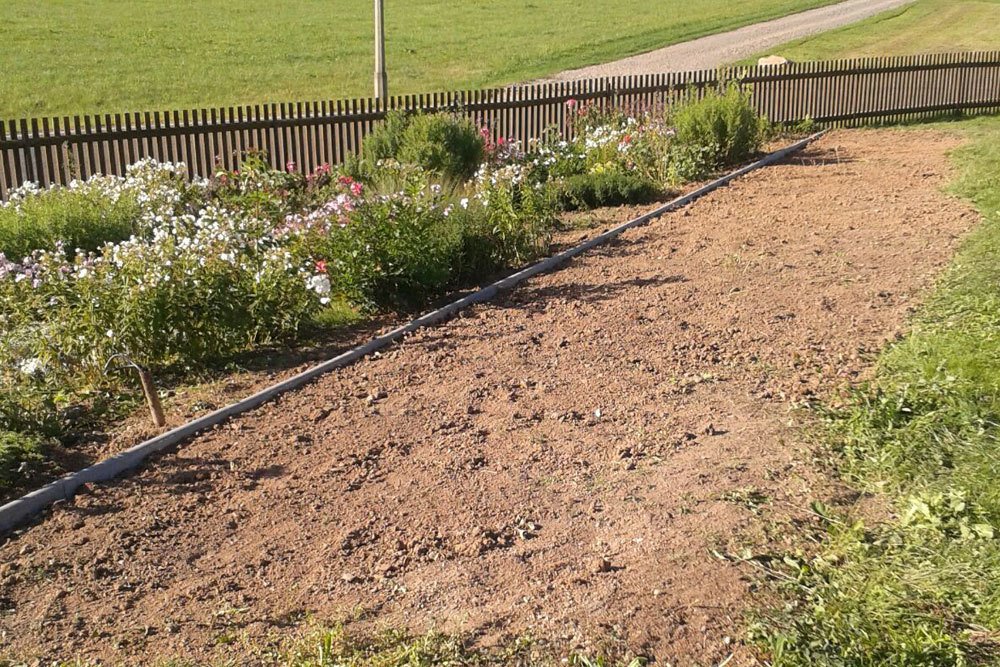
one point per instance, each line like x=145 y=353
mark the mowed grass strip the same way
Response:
x=926 y=26
x=89 y=56
x=921 y=587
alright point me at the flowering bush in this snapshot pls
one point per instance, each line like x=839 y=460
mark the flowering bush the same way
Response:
x=87 y=214
x=379 y=250
x=204 y=286
x=258 y=190
x=510 y=216
x=613 y=158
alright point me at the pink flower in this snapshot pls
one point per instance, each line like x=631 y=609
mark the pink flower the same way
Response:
x=321 y=266
x=356 y=189
x=571 y=103
x=290 y=166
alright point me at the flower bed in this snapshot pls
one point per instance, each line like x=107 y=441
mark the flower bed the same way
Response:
x=179 y=275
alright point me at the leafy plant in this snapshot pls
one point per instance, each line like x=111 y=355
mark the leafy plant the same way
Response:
x=605 y=188
x=510 y=219
x=720 y=128
x=20 y=456
x=441 y=143
x=393 y=252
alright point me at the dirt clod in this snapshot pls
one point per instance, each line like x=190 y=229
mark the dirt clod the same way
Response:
x=601 y=565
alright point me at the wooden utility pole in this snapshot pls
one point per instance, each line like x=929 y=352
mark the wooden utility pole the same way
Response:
x=381 y=79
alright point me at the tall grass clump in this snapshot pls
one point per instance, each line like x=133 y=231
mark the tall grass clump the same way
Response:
x=922 y=587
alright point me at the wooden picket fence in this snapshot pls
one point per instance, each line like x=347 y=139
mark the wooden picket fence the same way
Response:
x=842 y=92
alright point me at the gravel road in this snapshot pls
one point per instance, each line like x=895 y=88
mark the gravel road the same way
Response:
x=716 y=50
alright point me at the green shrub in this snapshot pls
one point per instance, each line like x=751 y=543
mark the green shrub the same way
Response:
x=719 y=129
x=441 y=143
x=607 y=188
x=20 y=456
x=386 y=139
x=393 y=253
x=85 y=219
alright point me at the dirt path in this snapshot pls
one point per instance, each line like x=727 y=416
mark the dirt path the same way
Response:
x=729 y=47
x=476 y=477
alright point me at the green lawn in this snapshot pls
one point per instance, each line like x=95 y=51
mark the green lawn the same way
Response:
x=926 y=26
x=86 y=56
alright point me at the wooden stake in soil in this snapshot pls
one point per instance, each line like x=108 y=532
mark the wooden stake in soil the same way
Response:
x=148 y=388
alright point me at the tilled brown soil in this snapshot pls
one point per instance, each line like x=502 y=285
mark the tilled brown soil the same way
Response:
x=561 y=462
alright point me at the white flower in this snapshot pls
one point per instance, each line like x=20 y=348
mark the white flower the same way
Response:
x=319 y=283
x=464 y=203
x=32 y=366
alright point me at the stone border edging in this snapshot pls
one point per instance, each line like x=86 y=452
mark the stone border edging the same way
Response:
x=22 y=509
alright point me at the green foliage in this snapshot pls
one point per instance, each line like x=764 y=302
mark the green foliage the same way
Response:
x=444 y=144
x=716 y=130
x=385 y=141
x=394 y=648
x=605 y=188
x=20 y=456
x=393 y=253
x=441 y=143
x=508 y=223
x=922 y=588
x=84 y=219
x=887 y=596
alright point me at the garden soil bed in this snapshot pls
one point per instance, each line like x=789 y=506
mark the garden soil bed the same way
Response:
x=560 y=463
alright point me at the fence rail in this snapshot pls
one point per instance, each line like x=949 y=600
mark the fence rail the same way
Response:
x=841 y=92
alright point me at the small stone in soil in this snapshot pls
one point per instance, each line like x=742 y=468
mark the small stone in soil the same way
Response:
x=602 y=564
